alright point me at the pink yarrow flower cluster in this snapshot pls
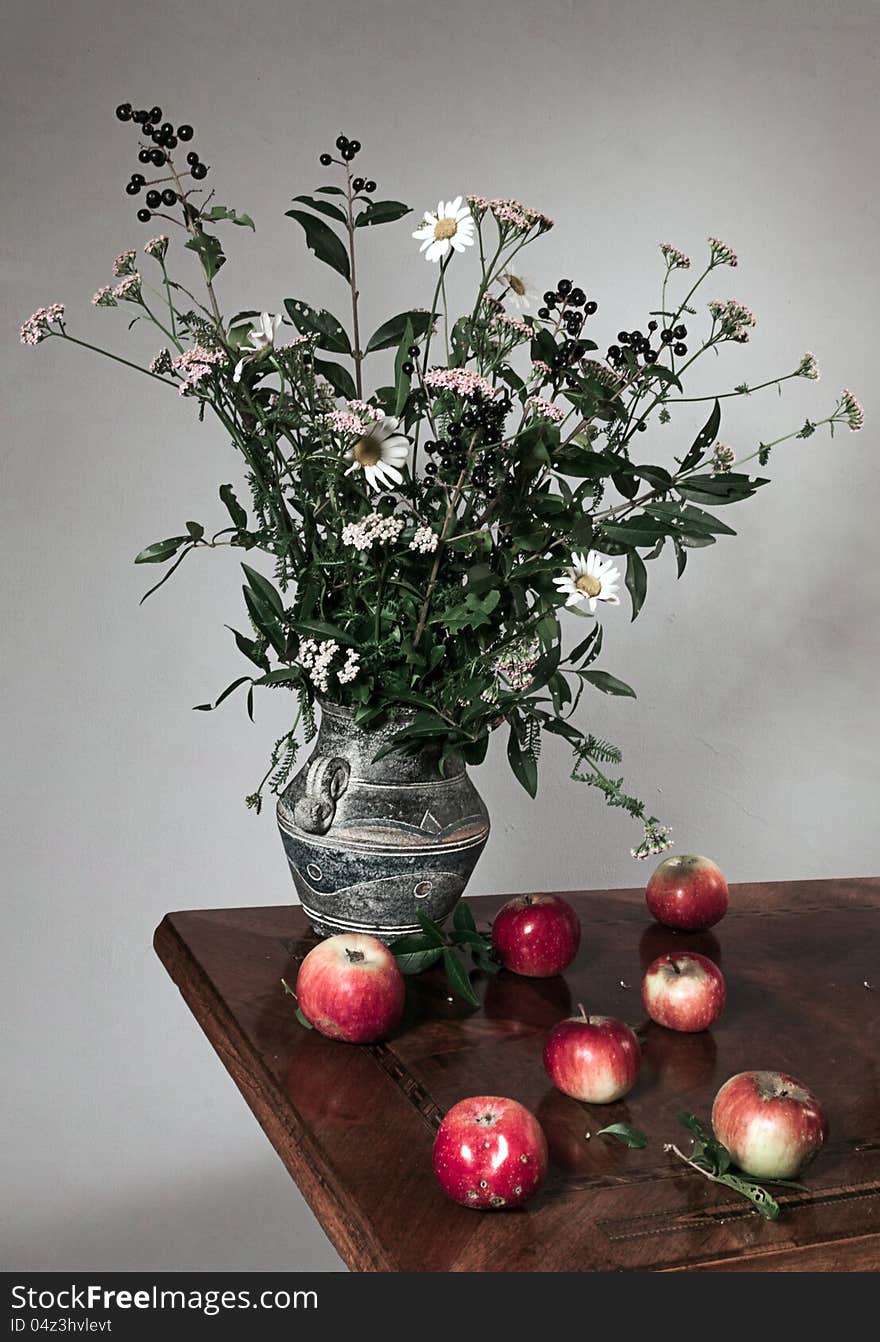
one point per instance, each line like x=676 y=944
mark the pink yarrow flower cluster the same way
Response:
x=157 y=247
x=345 y=421
x=129 y=288
x=674 y=258
x=39 y=325
x=511 y=212
x=514 y=325
x=851 y=408
x=460 y=381
x=124 y=263
x=195 y=364
x=103 y=297
x=546 y=409
x=721 y=254
x=734 y=318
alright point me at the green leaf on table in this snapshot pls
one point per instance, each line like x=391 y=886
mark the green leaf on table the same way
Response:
x=430 y=929
x=462 y=918
x=381 y=212
x=457 y=975
x=159 y=551
x=390 y=333
x=321 y=240
x=415 y=953
x=636 y=580
x=328 y=330
x=626 y=1133
x=233 y=507
x=608 y=684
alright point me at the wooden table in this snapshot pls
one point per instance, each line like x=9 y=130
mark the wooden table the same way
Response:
x=355 y=1125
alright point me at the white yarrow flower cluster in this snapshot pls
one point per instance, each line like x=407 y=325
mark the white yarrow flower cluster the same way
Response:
x=518 y=663
x=317 y=657
x=808 y=367
x=424 y=541
x=39 y=325
x=721 y=254
x=675 y=259
x=851 y=409
x=657 y=840
x=372 y=529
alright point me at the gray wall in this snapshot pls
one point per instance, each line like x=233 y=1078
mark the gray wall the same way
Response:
x=755 y=728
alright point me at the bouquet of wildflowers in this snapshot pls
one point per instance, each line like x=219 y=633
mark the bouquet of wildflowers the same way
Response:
x=453 y=501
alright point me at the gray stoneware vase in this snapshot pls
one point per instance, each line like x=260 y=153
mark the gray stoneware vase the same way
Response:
x=370 y=843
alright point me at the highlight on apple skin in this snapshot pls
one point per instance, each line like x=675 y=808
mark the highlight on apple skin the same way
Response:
x=536 y=935
x=771 y=1124
x=349 y=987
x=688 y=893
x=490 y=1153
x=684 y=992
x=596 y=1059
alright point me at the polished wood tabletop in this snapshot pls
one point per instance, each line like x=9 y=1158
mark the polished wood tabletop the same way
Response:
x=355 y=1125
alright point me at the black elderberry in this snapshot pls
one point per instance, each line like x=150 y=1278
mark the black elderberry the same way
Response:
x=184 y=132
x=132 y=188
x=166 y=128
x=358 y=183
x=550 y=298
x=140 y=116
x=652 y=326
x=139 y=178
x=369 y=187
x=564 y=287
x=679 y=332
x=355 y=146
x=199 y=171
x=143 y=156
x=144 y=216
x=544 y=313
x=150 y=129
x=157 y=137
x=407 y=368
x=591 y=307
x=156 y=156
x=430 y=447
x=169 y=197
x=413 y=351
x=623 y=337
x=641 y=426
x=154 y=200
x=666 y=336
x=341 y=142
x=347 y=154
x=468 y=419
x=637 y=337
x=454 y=430
x=155 y=113
x=192 y=158
x=169 y=141
x=679 y=349
x=430 y=468
x=613 y=351
x=325 y=160
x=577 y=298
x=123 y=112
x=650 y=356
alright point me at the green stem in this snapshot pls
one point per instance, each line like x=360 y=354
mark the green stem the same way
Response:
x=117 y=358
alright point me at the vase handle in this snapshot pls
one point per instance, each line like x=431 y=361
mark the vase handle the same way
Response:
x=326 y=781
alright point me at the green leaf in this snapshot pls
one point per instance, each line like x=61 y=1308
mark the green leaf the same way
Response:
x=416 y=962
x=329 y=191
x=196 y=530
x=381 y=212
x=704 y=439
x=390 y=333
x=262 y=587
x=159 y=551
x=230 y=689
x=340 y=378
x=233 y=507
x=321 y=240
x=662 y=374
x=209 y=252
x=607 y=683
x=719 y=489
x=324 y=207
x=318 y=629
x=285 y=675
x=636 y=580
x=430 y=929
x=522 y=763
x=264 y=619
x=250 y=649
x=462 y=918
x=458 y=978
x=402 y=380
x=217 y=212
x=309 y=321
x=626 y=1133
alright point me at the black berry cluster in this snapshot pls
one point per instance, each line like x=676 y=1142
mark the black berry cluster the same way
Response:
x=163 y=138
x=639 y=344
x=348 y=151
x=572 y=305
x=484 y=417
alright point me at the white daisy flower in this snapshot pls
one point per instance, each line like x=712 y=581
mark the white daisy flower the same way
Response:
x=521 y=291
x=451 y=226
x=380 y=452
x=262 y=338
x=590 y=578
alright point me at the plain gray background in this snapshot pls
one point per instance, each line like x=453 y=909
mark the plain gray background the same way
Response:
x=754 y=734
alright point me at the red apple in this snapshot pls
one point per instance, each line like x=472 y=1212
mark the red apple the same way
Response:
x=687 y=893
x=536 y=935
x=771 y=1124
x=593 y=1058
x=490 y=1153
x=684 y=992
x=349 y=987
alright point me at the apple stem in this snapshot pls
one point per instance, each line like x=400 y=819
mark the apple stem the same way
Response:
x=674 y=964
x=355 y=957
x=584 y=1015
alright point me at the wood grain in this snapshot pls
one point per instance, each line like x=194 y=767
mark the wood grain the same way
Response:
x=354 y=1126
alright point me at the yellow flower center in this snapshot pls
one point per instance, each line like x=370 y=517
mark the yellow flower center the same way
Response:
x=368 y=450
x=587 y=583
x=516 y=284
x=445 y=228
